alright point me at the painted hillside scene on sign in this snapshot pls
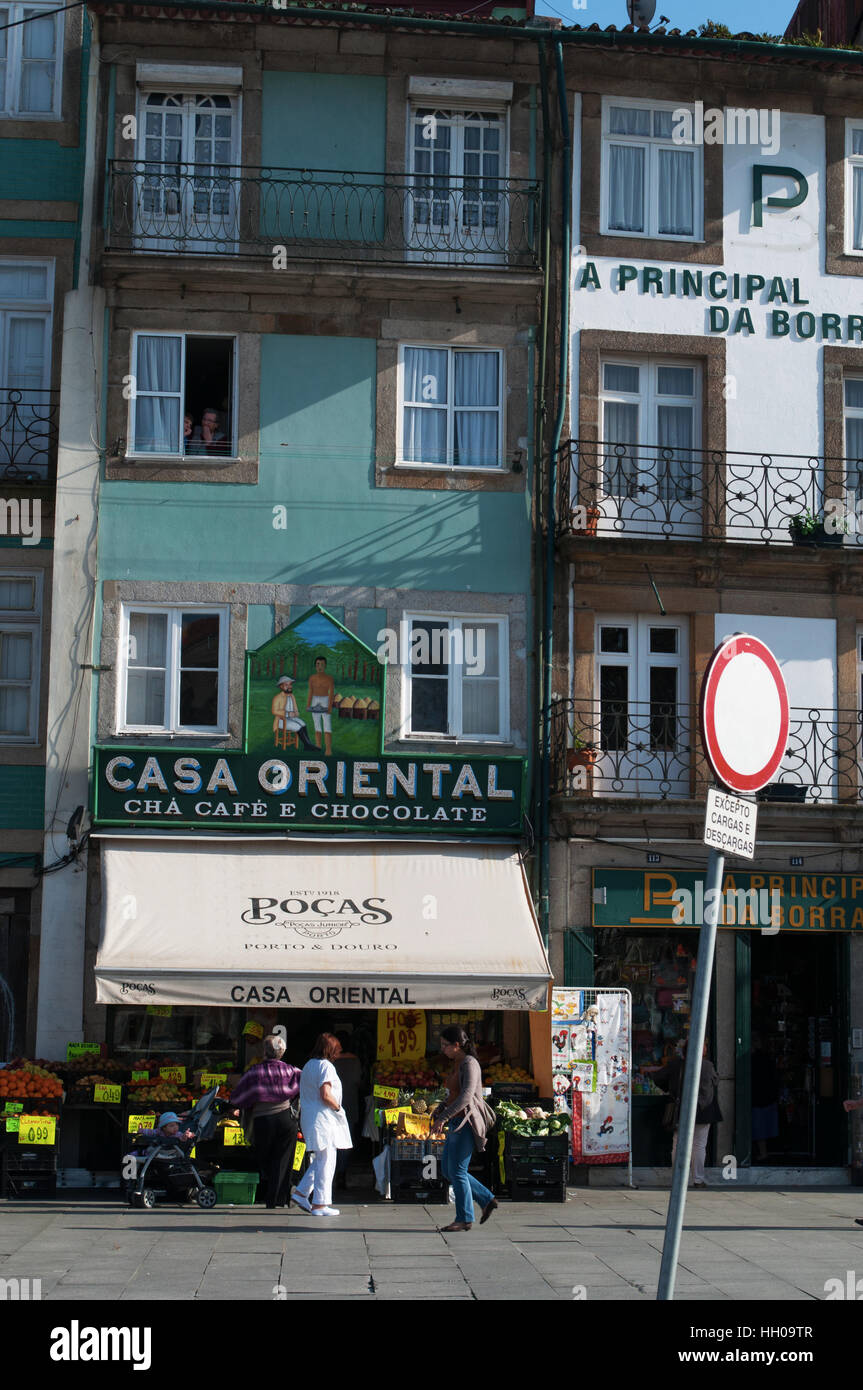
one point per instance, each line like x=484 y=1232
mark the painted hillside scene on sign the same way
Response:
x=314 y=688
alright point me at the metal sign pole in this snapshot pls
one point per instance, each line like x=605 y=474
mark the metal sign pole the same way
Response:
x=691 y=1076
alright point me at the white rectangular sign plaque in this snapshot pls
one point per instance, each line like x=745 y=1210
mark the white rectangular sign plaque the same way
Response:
x=729 y=824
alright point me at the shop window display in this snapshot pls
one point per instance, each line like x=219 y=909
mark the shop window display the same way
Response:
x=659 y=970
x=194 y=1037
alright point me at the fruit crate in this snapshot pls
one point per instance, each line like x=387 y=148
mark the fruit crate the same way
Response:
x=538 y=1172
x=537 y=1146
x=424 y=1193
x=28 y=1172
x=530 y=1192
x=236 y=1189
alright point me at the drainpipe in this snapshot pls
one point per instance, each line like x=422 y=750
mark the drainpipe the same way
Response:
x=563 y=365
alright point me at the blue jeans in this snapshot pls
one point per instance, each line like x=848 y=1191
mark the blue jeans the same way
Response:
x=457 y=1154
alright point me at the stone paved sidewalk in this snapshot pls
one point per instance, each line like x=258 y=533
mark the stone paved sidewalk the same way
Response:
x=738 y=1245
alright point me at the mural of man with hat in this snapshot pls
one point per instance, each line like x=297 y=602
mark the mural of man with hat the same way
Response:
x=286 y=716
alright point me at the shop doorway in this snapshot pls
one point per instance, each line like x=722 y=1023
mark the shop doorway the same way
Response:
x=798 y=1049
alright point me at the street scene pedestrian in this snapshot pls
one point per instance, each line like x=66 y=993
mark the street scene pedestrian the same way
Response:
x=266 y=1098
x=325 y=1126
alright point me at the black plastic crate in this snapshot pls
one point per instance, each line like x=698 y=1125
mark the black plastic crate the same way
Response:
x=411 y=1170
x=428 y=1193
x=539 y=1171
x=548 y=1146
x=530 y=1192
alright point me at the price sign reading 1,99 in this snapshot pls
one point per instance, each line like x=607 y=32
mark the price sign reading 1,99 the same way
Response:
x=401 y=1035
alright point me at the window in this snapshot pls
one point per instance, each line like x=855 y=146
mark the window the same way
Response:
x=20 y=619
x=651 y=184
x=456 y=678
x=174 y=670
x=187 y=194
x=26 y=295
x=642 y=725
x=853 y=397
x=182 y=402
x=451 y=413
x=30 y=60
x=458 y=168
x=854 y=186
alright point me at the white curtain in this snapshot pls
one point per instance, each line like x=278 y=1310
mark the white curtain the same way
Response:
x=674 y=432
x=16 y=649
x=476 y=431
x=157 y=413
x=37 y=62
x=676 y=192
x=626 y=188
x=858 y=208
x=481 y=679
x=425 y=406
x=619 y=426
x=854 y=443
x=145 y=688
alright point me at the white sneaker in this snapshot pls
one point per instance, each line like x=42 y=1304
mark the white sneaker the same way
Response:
x=301 y=1201
x=325 y=1211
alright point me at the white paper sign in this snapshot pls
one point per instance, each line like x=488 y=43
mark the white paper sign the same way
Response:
x=729 y=824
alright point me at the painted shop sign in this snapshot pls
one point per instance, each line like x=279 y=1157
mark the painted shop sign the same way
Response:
x=671 y=899
x=312 y=756
x=732 y=296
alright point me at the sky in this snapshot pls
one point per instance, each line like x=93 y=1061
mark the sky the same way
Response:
x=756 y=16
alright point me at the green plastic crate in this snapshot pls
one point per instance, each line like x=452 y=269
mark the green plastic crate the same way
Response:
x=236 y=1188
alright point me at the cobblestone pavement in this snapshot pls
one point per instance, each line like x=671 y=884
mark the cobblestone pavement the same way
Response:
x=599 y=1245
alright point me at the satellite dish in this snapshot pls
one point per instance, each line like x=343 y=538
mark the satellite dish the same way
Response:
x=640 y=12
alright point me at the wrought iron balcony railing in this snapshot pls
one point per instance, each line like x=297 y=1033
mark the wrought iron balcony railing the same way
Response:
x=663 y=493
x=28 y=434
x=220 y=210
x=652 y=749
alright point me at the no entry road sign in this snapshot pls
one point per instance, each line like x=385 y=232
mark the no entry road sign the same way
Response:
x=744 y=714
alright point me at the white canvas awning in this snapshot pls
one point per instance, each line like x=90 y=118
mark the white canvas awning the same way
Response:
x=352 y=925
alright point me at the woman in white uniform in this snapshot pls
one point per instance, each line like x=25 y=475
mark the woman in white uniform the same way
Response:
x=324 y=1126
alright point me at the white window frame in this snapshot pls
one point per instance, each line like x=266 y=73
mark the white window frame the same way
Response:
x=16 y=621
x=450 y=466
x=638 y=662
x=14 y=50
x=42 y=309
x=174 y=612
x=852 y=162
x=648 y=398
x=652 y=144
x=190 y=460
x=454 y=686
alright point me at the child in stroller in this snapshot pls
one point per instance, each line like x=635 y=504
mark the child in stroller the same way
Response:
x=160 y=1160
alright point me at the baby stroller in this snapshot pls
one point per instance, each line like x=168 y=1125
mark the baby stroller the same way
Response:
x=165 y=1167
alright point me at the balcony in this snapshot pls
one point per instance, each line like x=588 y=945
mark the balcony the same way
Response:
x=404 y=219
x=28 y=434
x=652 y=750
x=658 y=493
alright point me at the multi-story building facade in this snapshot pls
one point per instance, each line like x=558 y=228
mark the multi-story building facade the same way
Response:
x=306 y=438
x=710 y=485
x=43 y=69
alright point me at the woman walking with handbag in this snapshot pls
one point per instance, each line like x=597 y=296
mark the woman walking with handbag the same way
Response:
x=475 y=1119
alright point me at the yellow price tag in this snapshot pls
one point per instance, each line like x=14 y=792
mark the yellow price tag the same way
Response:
x=212 y=1078
x=401 y=1034
x=37 y=1129
x=192 y=1151
x=235 y=1138
x=253 y=1030
x=299 y=1155
x=110 y=1095
x=392 y=1116
x=12 y=1124
x=177 y=1074
x=387 y=1092
x=159 y=1010
x=137 y=1122
x=417 y=1125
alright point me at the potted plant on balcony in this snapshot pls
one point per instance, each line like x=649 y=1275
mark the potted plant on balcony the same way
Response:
x=580 y=759
x=808 y=528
